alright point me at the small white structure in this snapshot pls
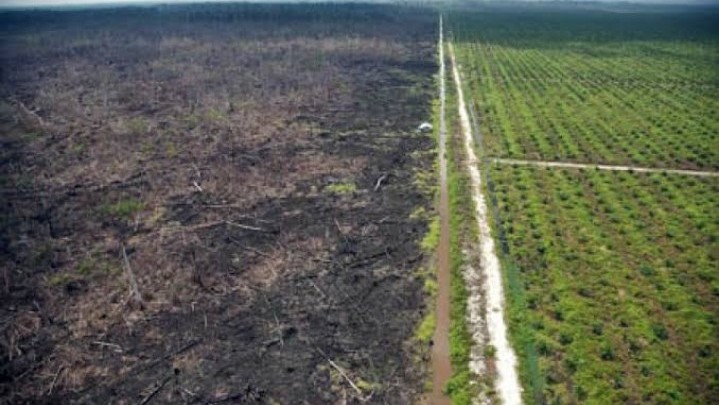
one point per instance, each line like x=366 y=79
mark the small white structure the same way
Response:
x=425 y=127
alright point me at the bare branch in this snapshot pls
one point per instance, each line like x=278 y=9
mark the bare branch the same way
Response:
x=332 y=363
x=379 y=182
x=134 y=290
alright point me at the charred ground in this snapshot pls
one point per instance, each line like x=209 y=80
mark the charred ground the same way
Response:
x=234 y=153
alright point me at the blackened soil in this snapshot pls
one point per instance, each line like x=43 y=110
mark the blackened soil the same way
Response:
x=282 y=296
x=357 y=307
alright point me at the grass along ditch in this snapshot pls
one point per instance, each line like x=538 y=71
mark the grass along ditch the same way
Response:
x=462 y=387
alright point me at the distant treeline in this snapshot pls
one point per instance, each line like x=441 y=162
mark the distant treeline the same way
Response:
x=535 y=24
x=214 y=13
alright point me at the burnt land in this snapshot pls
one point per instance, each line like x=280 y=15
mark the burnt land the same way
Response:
x=257 y=165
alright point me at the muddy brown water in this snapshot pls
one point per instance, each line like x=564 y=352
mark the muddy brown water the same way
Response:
x=441 y=365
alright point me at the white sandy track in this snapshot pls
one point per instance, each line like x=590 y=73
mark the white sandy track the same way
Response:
x=570 y=165
x=507 y=384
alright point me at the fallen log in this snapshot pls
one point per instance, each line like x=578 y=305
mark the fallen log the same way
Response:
x=132 y=282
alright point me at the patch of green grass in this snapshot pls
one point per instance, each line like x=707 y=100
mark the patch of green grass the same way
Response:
x=86 y=266
x=214 y=115
x=341 y=188
x=31 y=136
x=58 y=279
x=431 y=238
x=95 y=265
x=419 y=213
x=367 y=387
x=137 y=125
x=430 y=286
x=192 y=120
x=170 y=149
x=490 y=351
x=124 y=208
x=146 y=147
x=459 y=387
x=425 y=330
x=41 y=255
x=78 y=148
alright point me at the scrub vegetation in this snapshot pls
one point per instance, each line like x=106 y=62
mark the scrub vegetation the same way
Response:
x=464 y=386
x=611 y=277
x=591 y=86
x=618 y=280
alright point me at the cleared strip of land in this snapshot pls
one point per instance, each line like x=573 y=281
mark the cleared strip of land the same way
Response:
x=508 y=388
x=571 y=165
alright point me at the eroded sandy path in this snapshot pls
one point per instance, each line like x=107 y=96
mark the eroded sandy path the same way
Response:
x=570 y=165
x=507 y=384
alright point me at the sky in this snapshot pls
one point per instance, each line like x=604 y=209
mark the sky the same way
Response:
x=26 y=3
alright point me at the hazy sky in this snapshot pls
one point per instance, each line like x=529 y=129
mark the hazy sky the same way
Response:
x=80 y=2
x=75 y=2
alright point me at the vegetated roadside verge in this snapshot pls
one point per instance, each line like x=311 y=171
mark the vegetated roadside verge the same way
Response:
x=519 y=334
x=519 y=331
x=465 y=386
x=424 y=332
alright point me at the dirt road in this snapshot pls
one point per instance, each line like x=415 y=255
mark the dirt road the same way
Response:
x=570 y=165
x=507 y=383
